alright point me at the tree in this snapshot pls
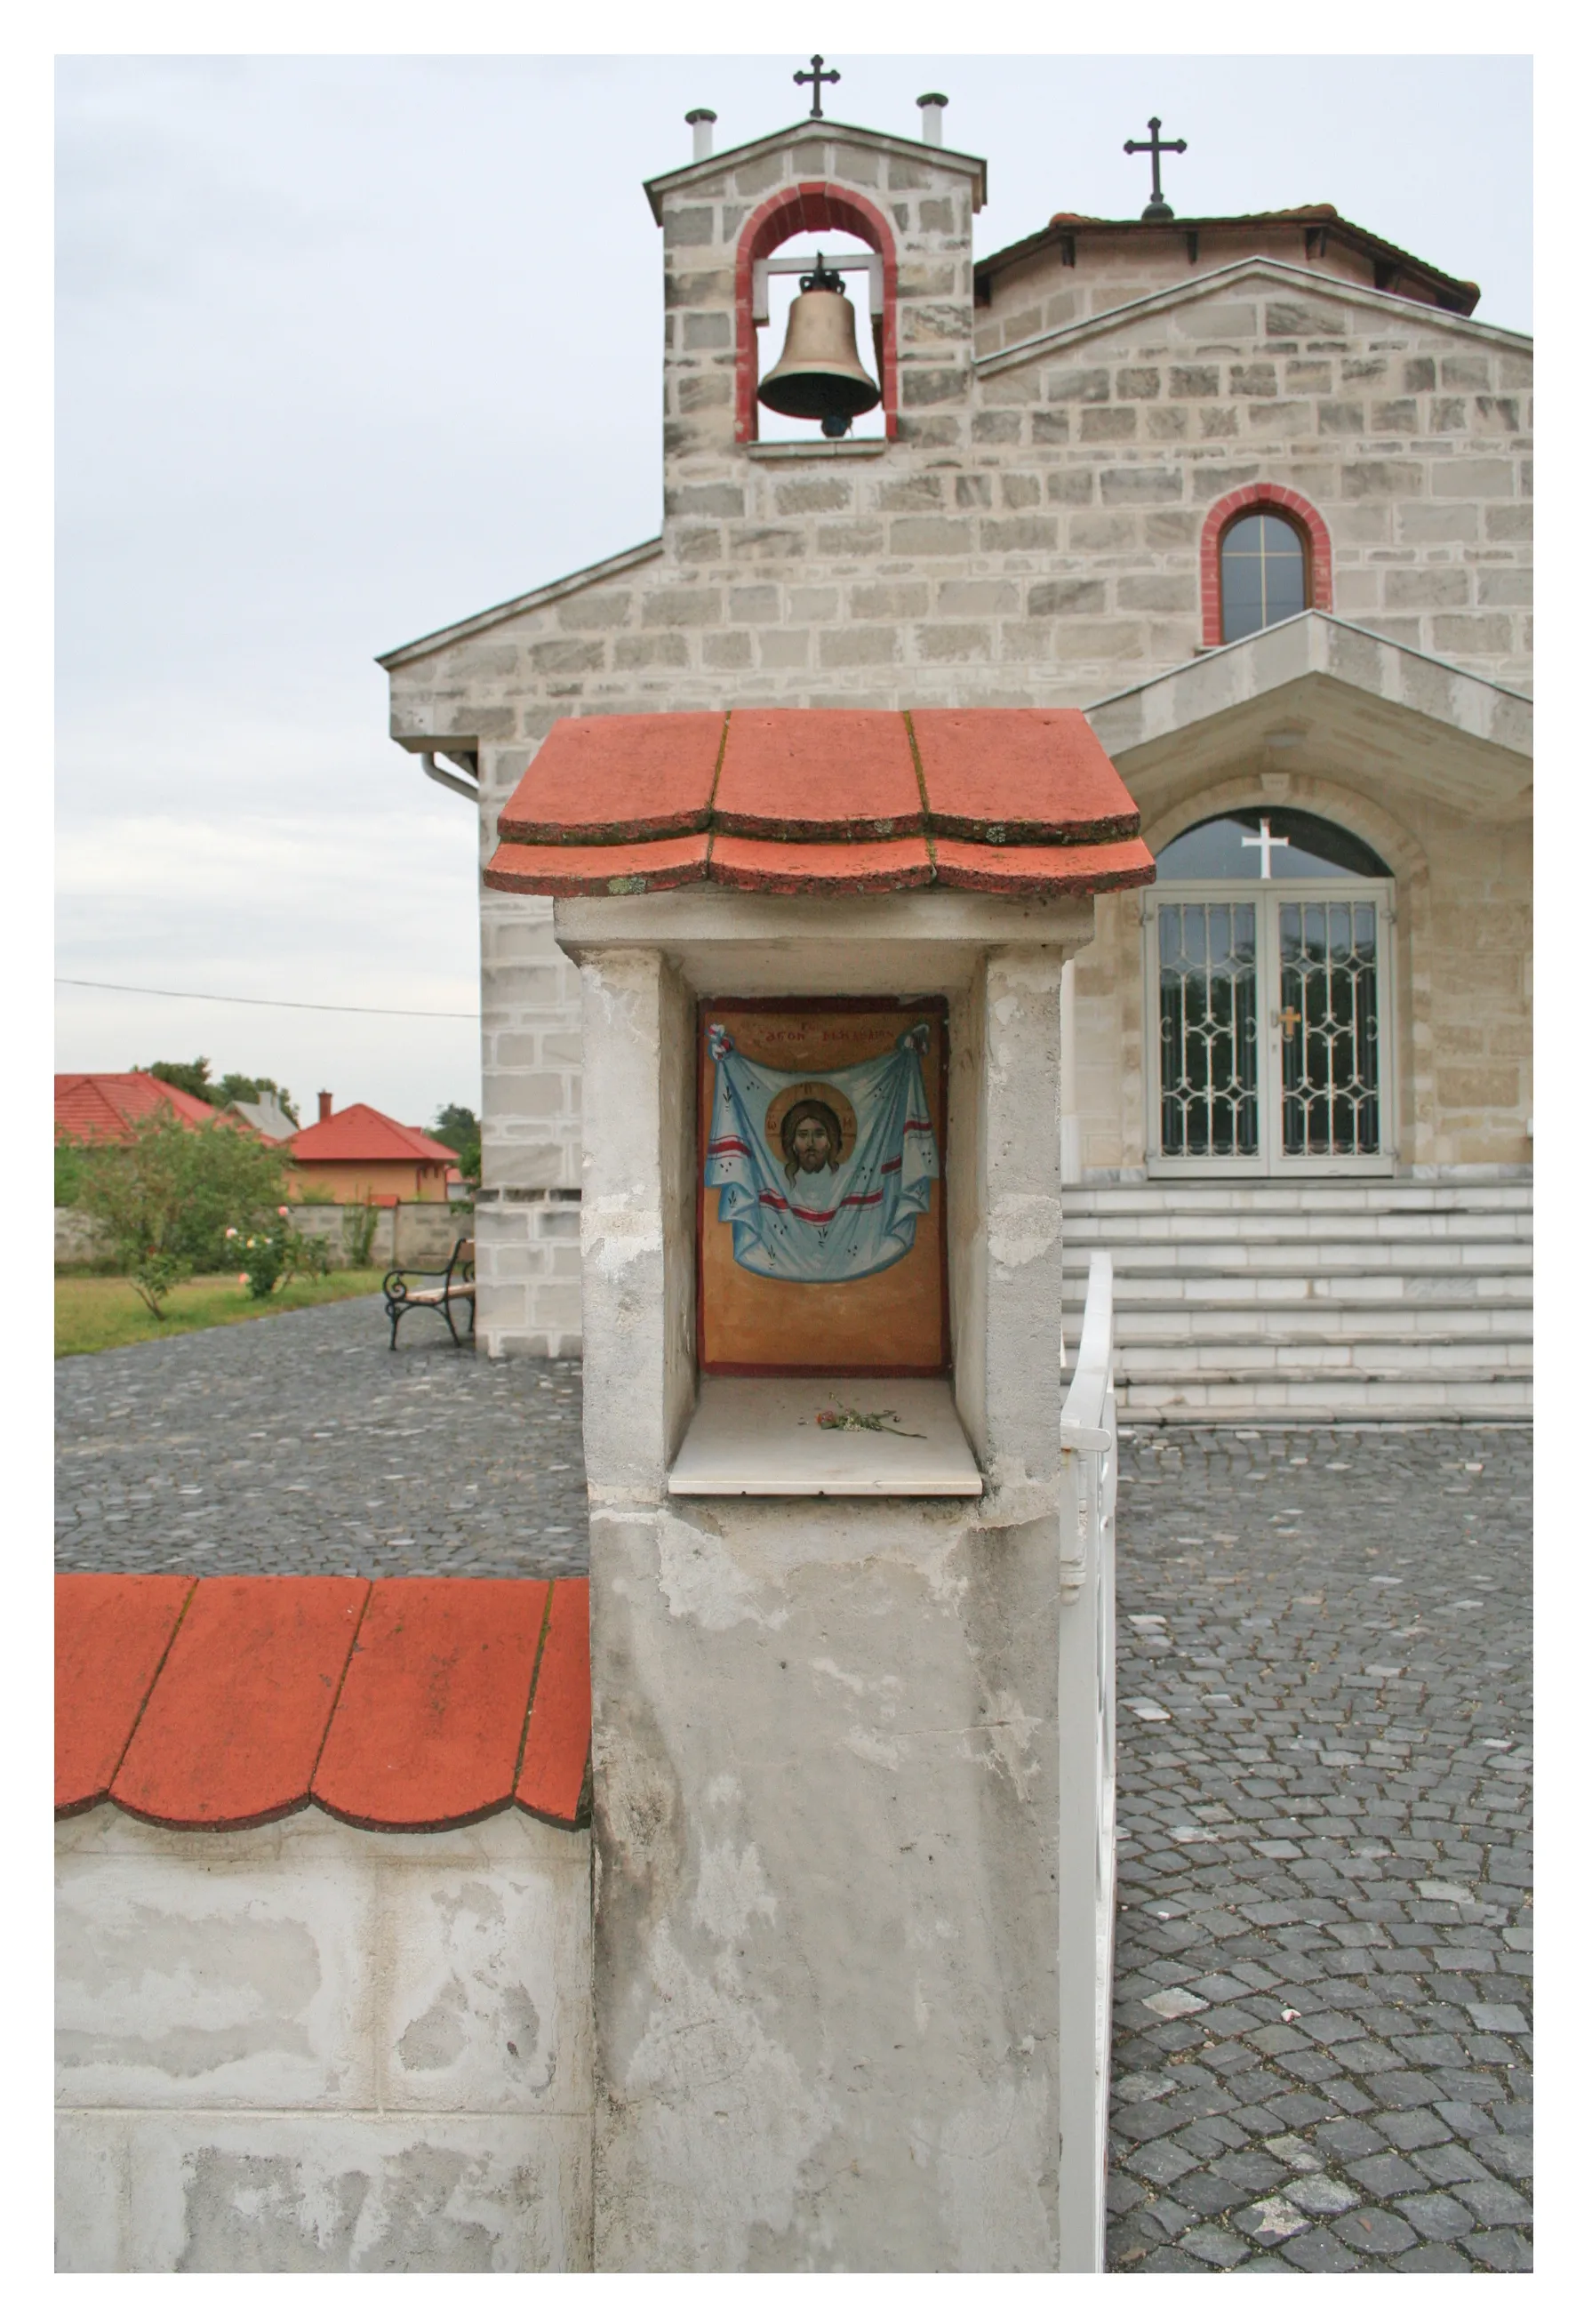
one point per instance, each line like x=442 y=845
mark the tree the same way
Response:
x=457 y=1126
x=166 y=1198
x=68 y=1154
x=193 y=1080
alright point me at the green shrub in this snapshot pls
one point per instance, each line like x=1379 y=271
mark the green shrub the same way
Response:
x=358 y=1222
x=166 y=1198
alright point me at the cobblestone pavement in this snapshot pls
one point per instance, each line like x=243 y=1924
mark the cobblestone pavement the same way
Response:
x=1321 y=2037
x=260 y=1447
x=1321 y=2054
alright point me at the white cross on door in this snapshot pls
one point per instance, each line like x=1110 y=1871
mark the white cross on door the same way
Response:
x=1265 y=842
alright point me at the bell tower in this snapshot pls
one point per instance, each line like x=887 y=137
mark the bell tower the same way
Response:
x=908 y=318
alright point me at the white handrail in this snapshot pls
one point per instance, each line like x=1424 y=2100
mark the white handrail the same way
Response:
x=1086 y=1720
x=1083 y=1409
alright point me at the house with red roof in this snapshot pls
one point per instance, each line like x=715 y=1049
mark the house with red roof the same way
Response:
x=107 y=1107
x=361 y=1155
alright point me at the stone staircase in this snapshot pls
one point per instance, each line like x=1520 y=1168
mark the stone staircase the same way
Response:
x=1313 y=1300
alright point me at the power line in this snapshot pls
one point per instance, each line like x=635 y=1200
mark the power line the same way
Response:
x=246 y=1001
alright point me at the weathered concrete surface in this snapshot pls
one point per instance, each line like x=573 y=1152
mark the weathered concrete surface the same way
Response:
x=826 y=1933
x=824 y=1748
x=311 y=2048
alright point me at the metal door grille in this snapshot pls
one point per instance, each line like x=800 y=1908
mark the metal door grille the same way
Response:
x=1208 y=1030
x=1330 y=1029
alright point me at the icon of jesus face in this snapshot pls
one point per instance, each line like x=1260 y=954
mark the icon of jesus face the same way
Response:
x=811 y=1138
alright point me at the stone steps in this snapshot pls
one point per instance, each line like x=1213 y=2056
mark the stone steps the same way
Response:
x=1384 y=1300
x=1180 y=1197
x=1316 y=1326
x=1174 y=1293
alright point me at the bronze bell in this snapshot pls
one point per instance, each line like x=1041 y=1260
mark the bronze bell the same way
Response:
x=819 y=375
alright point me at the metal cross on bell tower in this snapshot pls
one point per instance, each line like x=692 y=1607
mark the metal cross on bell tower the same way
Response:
x=818 y=76
x=1154 y=145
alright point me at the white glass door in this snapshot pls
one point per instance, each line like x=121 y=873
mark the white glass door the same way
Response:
x=1269 y=1029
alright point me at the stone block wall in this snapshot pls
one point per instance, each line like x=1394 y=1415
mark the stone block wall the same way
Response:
x=1045 y=291
x=307 y=2048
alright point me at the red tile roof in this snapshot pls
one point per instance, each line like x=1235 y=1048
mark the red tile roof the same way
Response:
x=402 y=1705
x=361 y=1133
x=109 y=1106
x=824 y=802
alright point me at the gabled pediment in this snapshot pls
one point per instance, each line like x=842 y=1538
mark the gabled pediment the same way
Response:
x=1318 y=695
x=1320 y=304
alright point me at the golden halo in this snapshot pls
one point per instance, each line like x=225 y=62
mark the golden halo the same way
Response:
x=776 y=1112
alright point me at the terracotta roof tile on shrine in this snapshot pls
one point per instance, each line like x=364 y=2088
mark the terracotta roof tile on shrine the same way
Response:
x=822 y=802
x=403 y=1705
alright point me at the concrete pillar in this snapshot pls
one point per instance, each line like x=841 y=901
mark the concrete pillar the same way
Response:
x=824 y=1762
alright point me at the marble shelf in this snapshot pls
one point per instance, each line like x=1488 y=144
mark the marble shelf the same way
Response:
x=762 y=1437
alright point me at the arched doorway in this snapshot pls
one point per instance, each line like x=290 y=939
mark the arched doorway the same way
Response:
x=1268 y=977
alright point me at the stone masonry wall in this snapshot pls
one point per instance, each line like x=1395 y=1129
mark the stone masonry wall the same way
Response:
x=1040 y=292
x=312 y=2049
x=1032 y=536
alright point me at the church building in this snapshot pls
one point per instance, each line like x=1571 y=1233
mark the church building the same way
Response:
x=1254 y=494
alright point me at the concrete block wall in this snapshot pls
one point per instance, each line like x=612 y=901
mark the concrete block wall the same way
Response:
x=1032 y=535
x=408 y=1234
x=308 y=2048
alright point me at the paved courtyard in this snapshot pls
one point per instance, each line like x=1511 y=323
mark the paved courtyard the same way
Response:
x=1321 y=2041
x=261 y=1447
x=1321 y=2046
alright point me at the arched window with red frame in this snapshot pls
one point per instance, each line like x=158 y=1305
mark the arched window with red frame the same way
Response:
x=1265 y=555
x=812 y=208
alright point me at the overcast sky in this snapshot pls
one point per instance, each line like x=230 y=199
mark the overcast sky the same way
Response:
x=350 y=348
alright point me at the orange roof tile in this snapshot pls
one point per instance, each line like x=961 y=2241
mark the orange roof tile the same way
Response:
x=857 y=867
x=633 y=869
x=112 y=1633
x=656 y=785
x=429 y=1727
x=1020 y=776
x=831 y=802
x=231 y=1733
x=1043 y=871
x=555 y=1756
x=818 y=775
x=109 y=1106
x=406 y=1705
x=362 y=1133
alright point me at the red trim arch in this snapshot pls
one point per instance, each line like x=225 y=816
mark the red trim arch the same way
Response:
x=810 y=209
x=1280 y=501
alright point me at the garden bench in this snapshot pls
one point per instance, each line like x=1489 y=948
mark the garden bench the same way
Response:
x=436 y=1290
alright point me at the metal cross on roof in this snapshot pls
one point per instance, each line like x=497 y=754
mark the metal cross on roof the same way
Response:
x=1154 y=145
x=818 y=75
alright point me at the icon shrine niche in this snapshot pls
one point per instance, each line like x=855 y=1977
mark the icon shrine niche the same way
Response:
x=821 y=1187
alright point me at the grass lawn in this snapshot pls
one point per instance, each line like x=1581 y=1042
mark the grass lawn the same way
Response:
x=103 y=1311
